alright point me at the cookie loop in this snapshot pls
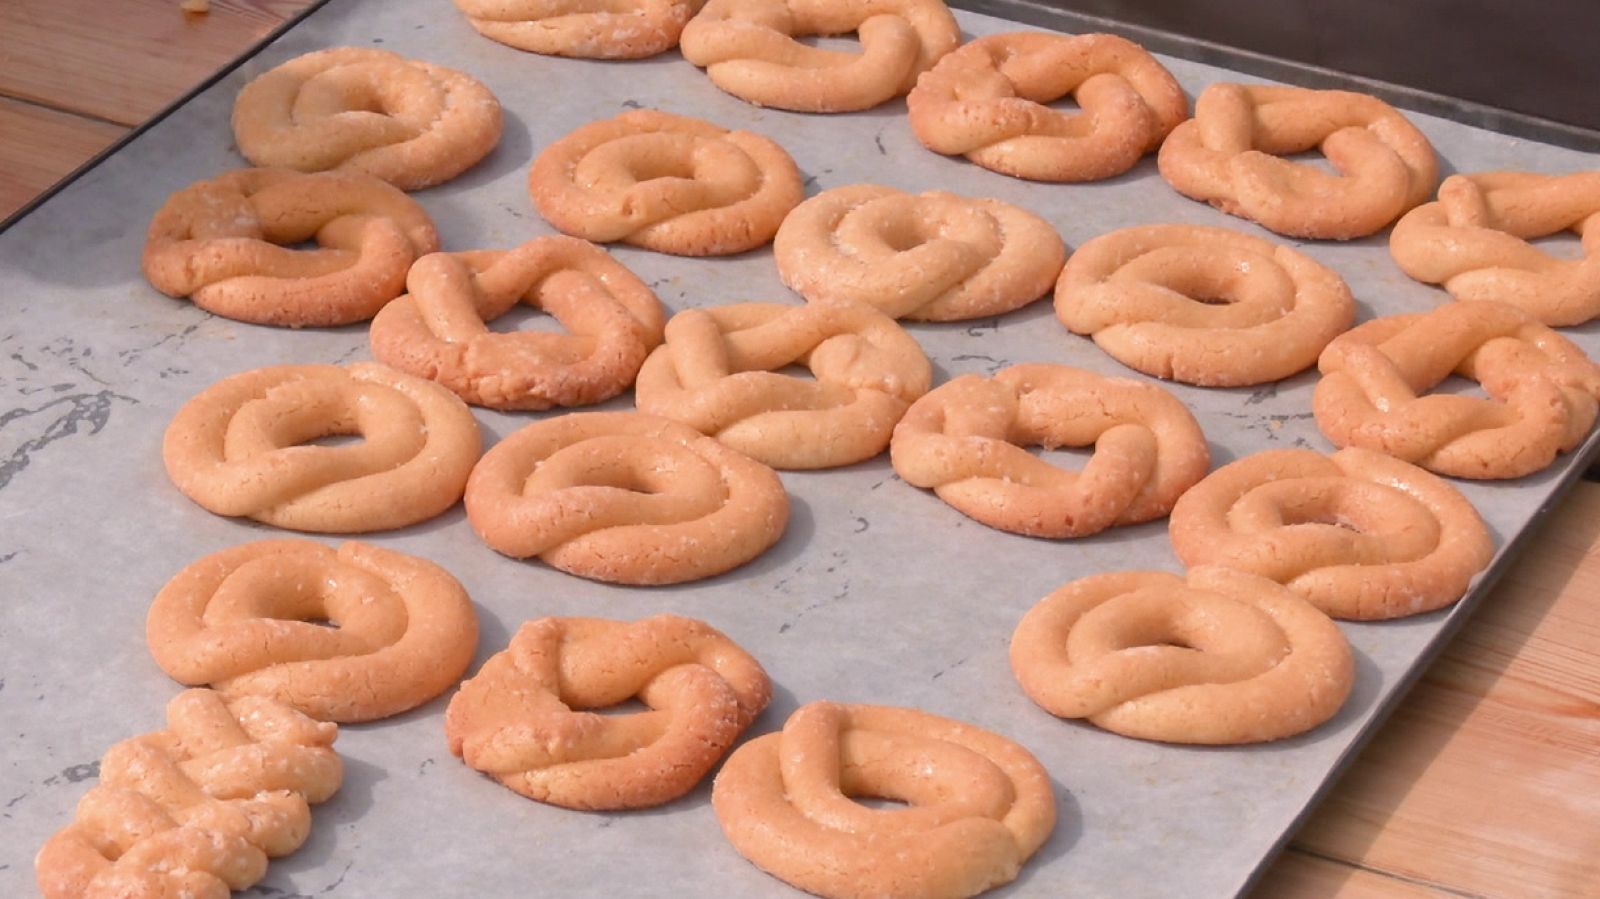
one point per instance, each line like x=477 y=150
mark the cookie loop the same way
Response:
x=1227 y=155
x=1358 y=534
x=1473 y=241
x=986 y=101
x=524 y=719
x=1205 y=306
x=198 y=808
x=439 y=330
x=748 y=48
x=979 y=805
x=718 y=373
x=410 y=123
x=227 y=244
x=243 y=447
x=625 y=498
x=1542 y=390
x=964 y=441
x=248 y=622
x=586 y=29
x=667 y=183
x=927 y=257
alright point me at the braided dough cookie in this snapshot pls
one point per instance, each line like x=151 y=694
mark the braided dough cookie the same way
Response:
x=1474 y=242
x=667 y=183
x=411 y=123
x=926 y=257
x=964 y=441
x=587 y=29
x=1359 y=534
x=198 y=808
x=524 y=719
x=243 y=447
x=438 y=330
x=718 y=373
x=986 y=101
x=227 y=245
x=247 y=621
x=1542 y=390
x=1219 y=657
x=1227 y=155
x=625 y=498
x=978 y=805
x=748 y=48
x=1205 y=306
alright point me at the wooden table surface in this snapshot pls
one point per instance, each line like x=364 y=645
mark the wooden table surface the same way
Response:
x=1485 y=782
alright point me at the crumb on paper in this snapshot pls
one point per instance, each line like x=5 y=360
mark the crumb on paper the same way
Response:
x=195 y=6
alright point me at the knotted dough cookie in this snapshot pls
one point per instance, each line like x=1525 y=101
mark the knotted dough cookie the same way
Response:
x=625 y=498
x=438 y=330
x=748 y=48
x=227 y=244
x=1205 y=306
x=964 y=440
x=1542 y=390
x=249 y=622
x=926 y=257
x=244 y=446
x=411 y=123
x=524 y=719
x=1218 y=657
x=986 y=101
x=1474 y=242
x=198 y=808
x=718 y=373
x=587 y=29
x=1359 y=534
x=667 y=183
x=1227 y=155
x=977 y=804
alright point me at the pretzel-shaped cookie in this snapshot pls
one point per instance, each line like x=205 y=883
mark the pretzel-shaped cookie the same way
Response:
x=667 y=183
x=979 y=805
x=245 y=621
x=1542 y=390
x=1219 y=657
x=523 y=718
x=438 y=330
x=748 y=48
x=243 y=447
x=411 y=123
x=1474 y=242
x=926 y=257
x=1359 y=534
x=1227 y=155
x=226 y=245
x=586 y=29
x=718 y=373
x=1205 y=306
x=986 y=100
x=964 y=440
x=625 y=498
x=198 y=808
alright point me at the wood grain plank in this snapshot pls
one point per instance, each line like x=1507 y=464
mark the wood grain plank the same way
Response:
x=39 y=146
x=1298 y=875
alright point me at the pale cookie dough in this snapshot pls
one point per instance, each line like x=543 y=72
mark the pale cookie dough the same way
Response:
x=587 y=29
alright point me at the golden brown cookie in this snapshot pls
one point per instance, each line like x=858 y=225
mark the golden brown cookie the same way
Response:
x=587 y=29
x=926 y=257
x=964 y=441
x=408 y=122
x=227 y=244
x=439 y=331
x=352 y=634
x=525 y=718
x=977 y=805
x=245 y=446
x=625 y=498
x=1219 y=657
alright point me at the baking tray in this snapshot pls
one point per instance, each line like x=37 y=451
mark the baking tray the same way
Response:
x=877 y=593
